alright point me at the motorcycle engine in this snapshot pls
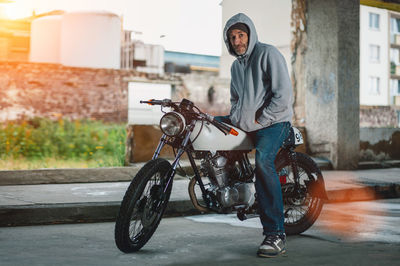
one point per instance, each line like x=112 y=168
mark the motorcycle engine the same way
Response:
x=223 y=175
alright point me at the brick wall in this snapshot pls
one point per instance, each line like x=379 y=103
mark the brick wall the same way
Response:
x=49 y=90
x=378 y=144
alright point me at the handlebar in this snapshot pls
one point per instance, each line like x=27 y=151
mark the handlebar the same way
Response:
x=224 y=128
x=221 y=126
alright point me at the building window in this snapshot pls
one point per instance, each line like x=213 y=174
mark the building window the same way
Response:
x=398 y=118
x=394 y=61
x=395 y=25
x=374 y=21
x=395 y=30
x=374 y=86
x=395 y=87
x=374 y=53
x=395 y=56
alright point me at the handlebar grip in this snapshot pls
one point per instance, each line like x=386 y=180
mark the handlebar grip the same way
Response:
x=151 y=102
x=165 y=102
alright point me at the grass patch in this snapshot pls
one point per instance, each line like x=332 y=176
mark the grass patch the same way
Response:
x=44 y=143
x=29 y=164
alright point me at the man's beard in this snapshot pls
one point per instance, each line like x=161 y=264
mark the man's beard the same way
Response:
x=241 y=50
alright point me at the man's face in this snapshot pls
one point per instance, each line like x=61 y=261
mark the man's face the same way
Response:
x=239 y=41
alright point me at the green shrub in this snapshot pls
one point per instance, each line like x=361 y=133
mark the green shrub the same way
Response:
x=64 y=139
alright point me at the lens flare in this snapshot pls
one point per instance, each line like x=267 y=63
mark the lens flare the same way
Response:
x=346 y=217
x=15 y=10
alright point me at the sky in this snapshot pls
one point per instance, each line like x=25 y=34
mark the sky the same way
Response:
x=191 y=26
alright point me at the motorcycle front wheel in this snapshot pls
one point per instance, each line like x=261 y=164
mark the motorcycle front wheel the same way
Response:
x=143 y=206
x=302 y=207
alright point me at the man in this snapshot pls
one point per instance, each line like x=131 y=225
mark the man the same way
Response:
x=261 y=99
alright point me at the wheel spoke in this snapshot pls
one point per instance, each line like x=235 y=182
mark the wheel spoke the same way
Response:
x=296 y=209
x=135 y=229
x=148 y=200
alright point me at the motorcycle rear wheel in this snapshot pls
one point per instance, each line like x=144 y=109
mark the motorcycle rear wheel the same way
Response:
x=301 y=210
x=143 y=206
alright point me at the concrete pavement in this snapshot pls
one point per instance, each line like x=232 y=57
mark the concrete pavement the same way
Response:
x=95 y=202
x=355 y=233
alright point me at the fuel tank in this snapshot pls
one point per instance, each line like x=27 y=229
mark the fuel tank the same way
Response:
x=210 y=138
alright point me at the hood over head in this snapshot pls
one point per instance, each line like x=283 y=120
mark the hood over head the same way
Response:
x=253 y=39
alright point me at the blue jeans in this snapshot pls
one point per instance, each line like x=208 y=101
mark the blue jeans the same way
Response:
x=267 y=142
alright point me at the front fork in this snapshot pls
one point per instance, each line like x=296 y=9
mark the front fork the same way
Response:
x=180 y=152
x=161 y=144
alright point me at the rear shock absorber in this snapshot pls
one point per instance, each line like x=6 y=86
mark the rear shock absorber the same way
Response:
x=295 y=171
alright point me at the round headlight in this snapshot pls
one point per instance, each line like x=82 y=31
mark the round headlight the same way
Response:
x=172 y=124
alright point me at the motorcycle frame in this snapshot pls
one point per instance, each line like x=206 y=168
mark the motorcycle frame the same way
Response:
x=285 y=152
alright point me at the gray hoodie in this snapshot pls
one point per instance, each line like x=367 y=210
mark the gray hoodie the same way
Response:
x=261 y=89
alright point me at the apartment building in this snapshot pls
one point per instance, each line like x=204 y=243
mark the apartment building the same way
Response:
x=379 y=57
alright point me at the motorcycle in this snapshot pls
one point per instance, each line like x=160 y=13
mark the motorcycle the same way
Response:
x=222 y=183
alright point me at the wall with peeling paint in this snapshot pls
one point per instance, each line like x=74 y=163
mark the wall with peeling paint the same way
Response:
x=378 y=144
x=380 y=116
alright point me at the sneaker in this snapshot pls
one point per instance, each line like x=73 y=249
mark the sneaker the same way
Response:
x=272 y=246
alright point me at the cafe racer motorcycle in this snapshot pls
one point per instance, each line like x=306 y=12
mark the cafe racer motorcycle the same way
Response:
x=223 y=176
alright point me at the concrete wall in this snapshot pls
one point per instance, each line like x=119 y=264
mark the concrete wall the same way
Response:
x=331 y=62
x=208 y=92
x=377 y=144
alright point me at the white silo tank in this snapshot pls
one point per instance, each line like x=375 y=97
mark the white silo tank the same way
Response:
x=90 y=39
x=45 y=39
